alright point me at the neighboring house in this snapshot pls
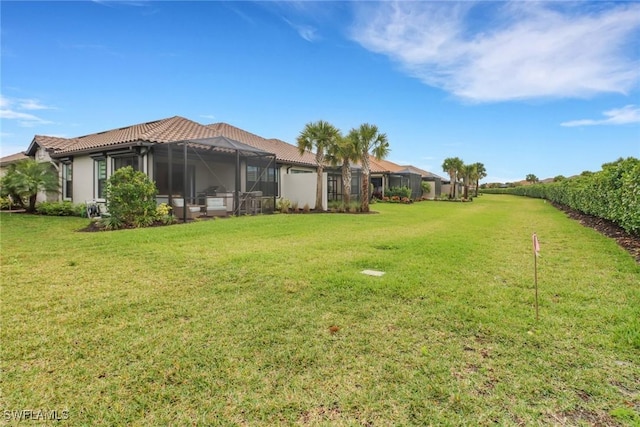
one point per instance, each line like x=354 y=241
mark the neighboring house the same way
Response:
x=435 y=181
x=386 y=174
x=8 y=160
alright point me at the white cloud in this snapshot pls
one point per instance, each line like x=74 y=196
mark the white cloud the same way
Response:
x=14 y=109
x=32 y=104
x=618 y=116
x=307 y=32
x=488 y=52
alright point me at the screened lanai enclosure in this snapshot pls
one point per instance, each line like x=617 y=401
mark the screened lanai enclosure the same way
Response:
x=214 y=177
x=407 y=178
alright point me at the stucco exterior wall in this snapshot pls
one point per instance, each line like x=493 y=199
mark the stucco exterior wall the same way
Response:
x=301 y=189
x=83 y=179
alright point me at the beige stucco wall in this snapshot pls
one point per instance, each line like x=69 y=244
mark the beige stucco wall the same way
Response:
x=42 y=156
x=301 y=188
x=83 y=179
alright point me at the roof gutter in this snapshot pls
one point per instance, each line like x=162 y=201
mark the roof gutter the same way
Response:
x=102 y=149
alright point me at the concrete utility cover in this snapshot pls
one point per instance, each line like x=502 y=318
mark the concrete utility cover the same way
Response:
x=373 y=272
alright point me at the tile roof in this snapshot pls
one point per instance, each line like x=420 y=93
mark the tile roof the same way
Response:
x=12 y=158
x=386 y=166
x=424 y=173
x=178 y=128
x=160 y=131
x=284 y=151
x=383 y=166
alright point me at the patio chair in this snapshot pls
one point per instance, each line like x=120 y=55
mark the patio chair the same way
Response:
x=216 y=206
x=193 y=211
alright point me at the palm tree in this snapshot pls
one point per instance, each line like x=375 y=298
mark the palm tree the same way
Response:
x=318 y=136
x=481 y=172
x=26 y=178
x=531 y=178
x=369 y=141
x=452 y=165
x=344 y=152
x=468 y=175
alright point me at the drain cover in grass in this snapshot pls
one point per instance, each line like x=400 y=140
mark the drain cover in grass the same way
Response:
x=373 y=272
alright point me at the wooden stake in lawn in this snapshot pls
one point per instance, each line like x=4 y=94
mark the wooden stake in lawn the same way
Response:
x=536 y=254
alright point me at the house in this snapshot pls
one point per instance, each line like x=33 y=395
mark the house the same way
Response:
x=295 y=173
x=192 y=162
x=187 y=161
x=8 y=160
x=387 y=174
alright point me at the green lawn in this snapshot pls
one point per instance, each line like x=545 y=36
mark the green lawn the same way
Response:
x=267 y=320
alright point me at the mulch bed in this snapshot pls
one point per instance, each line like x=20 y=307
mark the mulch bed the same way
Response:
x=629 y=242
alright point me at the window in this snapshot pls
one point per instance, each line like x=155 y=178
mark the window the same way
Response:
x=332 y=187
x=262 y=179
x=67 y=181
x=101 y=177
x=121 y=162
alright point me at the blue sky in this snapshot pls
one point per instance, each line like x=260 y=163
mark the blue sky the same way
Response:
x=549 y=88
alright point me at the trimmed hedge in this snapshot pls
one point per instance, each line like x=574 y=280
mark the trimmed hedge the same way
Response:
x=612 y=193
x=60 y=209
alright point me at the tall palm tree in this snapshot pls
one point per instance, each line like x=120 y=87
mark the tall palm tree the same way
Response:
x=369 y=141
x=343 y=153
x=468 y=175
x=452 y=166
x=481 y=172
x=318 y=136
x=27 y=178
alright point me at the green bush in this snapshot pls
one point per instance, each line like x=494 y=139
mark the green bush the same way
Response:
x=65 y=208
x=131 y=198
x=612 y=193
x=426 y=188
x=5 y=203
x=283 y=205
x=401 y=192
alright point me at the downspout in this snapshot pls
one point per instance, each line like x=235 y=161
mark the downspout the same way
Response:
x=169 y=159
x=275 y=182
x=238 y=178
x=185 y=186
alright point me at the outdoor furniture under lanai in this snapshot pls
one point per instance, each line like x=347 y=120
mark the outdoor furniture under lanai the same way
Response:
x=192 y=211
x=216 y=206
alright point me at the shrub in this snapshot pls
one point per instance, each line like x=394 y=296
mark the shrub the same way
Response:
x=5 y=203
x=426 y=188
x=612 y=193
x=283 y=205
x=25 y=179
x=65 y=208
x=163 y=214
x=131 y=198
x=400 y=192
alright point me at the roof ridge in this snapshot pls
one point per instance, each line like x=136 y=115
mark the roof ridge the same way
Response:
x=162 y=125
x=124 y=127
x=237 y=128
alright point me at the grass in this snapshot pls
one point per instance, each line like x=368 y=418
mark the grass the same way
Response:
x=267 y=320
